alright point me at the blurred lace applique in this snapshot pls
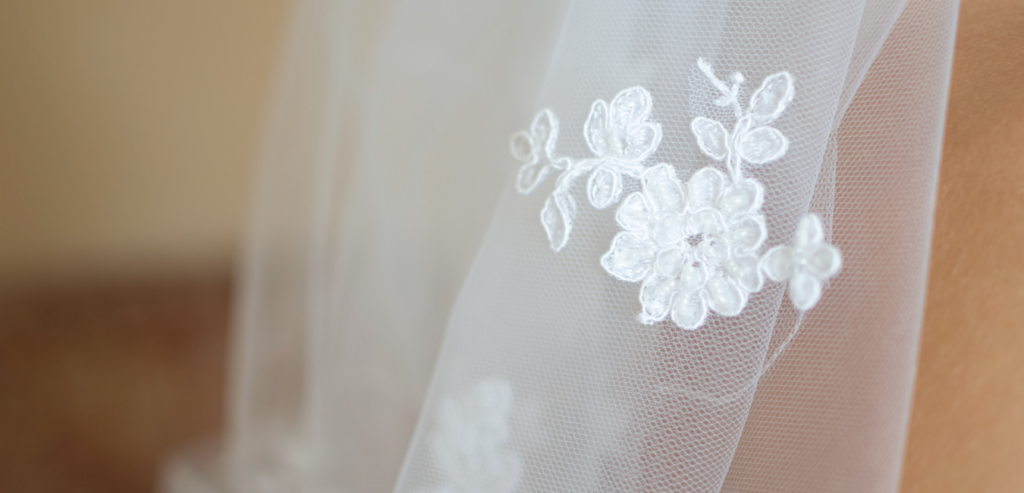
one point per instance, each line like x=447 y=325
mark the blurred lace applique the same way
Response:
x=693 y=246
x=471 y=442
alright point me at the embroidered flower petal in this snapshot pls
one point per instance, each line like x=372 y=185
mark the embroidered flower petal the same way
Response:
x=823 y=261
x=544 y=130
x=747 y=234
x=641 y=141
x=663 y=189
x=711 y=137
x=741 y=198
x=724 y=296
x=530 y=175
x=656 y=298
x=634 y=214
x=778 y=263
x=761 y=145
x=670 y=261
x=630 y=106
x=595 y=130
x=809 y=232
x=670 y=229
x=689 y=311
x=804 y=290
x=775 y=93
x=713 y=251
x=523 y=148
x=692 y=276
x=604 y=187
x=705 y=188
x=705 y=222
x=630 y=257
x=556 y=216
x=744 y=270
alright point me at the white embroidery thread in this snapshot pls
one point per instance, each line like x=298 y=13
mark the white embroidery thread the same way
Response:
x=693 y=248
x=471 y=441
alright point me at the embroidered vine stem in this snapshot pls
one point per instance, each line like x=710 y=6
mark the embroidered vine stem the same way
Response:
x=579 y=168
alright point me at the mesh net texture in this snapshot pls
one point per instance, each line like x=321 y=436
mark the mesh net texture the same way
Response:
x=545 y=380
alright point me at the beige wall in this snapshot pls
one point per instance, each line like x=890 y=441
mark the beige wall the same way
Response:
x=127 y=133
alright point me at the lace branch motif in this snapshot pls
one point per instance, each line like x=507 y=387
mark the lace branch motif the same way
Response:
x=621 y=139
x=693 y=246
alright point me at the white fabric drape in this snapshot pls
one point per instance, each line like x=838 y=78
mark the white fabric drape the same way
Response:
x=387 y=218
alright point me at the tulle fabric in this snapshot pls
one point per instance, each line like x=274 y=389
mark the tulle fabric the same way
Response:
x=387 y=220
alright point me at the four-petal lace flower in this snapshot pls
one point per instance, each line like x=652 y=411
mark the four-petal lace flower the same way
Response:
x=622 y=138
x=693 y=248
x=805 y=264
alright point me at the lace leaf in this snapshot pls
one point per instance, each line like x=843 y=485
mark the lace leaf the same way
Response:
x=530 y=175
x=762 y=145
x=545 y=130
x=595 y=129
x=771 y=99
x=642 y=140
x=604 y=188
x=711 y=137
x=556 y=216
x=630 y=107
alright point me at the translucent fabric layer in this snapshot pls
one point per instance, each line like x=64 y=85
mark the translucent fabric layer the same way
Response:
x=391 y=215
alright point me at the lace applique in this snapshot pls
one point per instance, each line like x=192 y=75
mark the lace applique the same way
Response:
x=471 y=442
x=693 y=246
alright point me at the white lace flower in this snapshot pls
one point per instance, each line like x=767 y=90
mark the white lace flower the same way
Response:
x=693 y=249
x=536 y=150
x=622 y=138
x=805 y=264
x=471 y=443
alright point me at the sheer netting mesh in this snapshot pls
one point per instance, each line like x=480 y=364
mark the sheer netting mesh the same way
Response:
x=771 y=399
x=388 y=166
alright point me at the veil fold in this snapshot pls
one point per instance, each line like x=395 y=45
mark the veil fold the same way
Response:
x=393 y=239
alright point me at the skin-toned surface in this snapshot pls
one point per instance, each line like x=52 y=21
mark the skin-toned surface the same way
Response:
x=967 y=422
x=127 y=134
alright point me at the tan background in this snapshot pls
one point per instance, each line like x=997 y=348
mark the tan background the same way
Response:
x=967 y=425
x=127 y=130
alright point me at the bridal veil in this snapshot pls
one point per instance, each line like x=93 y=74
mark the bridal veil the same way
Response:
x=582 y=246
